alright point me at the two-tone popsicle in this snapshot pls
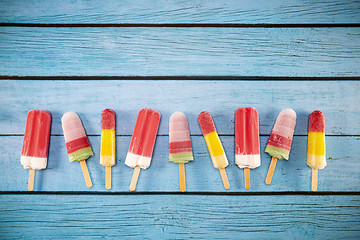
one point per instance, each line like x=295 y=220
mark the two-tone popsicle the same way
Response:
x=214 y=145
x=107 y=148
x=142 y=142
x=77 y=143
x=247 y=142
x=180 y=150
x=35 y=148
x=316 y=158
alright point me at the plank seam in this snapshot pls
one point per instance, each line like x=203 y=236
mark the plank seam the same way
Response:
x=307 y=193
x=193 y=78
x=183 y=25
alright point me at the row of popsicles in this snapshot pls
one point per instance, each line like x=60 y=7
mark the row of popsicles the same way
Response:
x=247 y=144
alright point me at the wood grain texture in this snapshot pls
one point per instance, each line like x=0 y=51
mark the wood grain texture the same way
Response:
x=341 y=174
x=337 y=99
x=179 y=51
x=175 y=217
x=141 y=51
x=197 y=11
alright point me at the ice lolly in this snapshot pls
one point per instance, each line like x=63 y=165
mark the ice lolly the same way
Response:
x=279 y=144
x=247 y=143
x=77 y=144
x=214 y=145
x=36 y=143
x=180 y=150
x=142 y=142
x=107 y=148
x=316 y=145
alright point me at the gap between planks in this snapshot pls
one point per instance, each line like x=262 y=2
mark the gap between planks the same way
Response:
x=288 y=193
x=189 y=25
x=181 y=78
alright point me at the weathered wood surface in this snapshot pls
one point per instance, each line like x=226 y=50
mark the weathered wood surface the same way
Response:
x=95 y=51
x=197 y=11
x=175 y=217
x=341 y=174
x=339 y=100
x=285 y=210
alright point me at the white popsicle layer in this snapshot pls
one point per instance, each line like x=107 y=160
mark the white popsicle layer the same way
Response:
x=133 y=160
x=35 y=163
x=248 y=161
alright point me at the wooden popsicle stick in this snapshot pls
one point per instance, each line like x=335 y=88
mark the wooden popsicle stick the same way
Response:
x=271 y=170
x=314 y=179
x=247 y=178
x=224 y=178
x=31 y=179
x=86 y=173
x=134 y=178
x=108 y=177
x=182 y=177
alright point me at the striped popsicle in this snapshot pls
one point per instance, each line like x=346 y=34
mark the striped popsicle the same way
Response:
x=180 y=150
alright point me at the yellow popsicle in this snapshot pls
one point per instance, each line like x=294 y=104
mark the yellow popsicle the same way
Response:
x=216 y=150
x=316 y=150
x=214 y=145
x=107 y=149
x=316 y=146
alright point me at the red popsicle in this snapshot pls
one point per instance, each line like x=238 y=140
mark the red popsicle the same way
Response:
x=142 y=142
x=36 y=143
x=247 y=143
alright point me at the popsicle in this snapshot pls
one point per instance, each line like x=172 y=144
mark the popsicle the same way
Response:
x=247 y=143
x=107 y=148
x=316 y=145
x=35 y=148
x=214 y=145
x=180 y=150
x=279 y=144
x=77 y=144
x=142 y=142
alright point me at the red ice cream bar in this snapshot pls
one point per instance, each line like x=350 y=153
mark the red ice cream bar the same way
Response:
x=36 y=140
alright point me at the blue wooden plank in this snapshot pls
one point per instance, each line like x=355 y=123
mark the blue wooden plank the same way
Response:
x=341 y=174
x=179 y=51
x=220 y=98
x=174 y=217
x=197 y=11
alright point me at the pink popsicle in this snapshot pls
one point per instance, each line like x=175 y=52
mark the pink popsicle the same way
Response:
x=180 y=150
x=280 y=140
